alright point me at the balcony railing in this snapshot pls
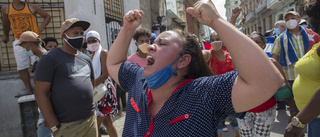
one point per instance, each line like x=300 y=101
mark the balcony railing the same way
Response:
x=272 y=3
x=261 y=5
x=249 y=16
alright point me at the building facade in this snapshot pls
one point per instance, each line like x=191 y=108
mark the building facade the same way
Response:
x=260 y=15
x=229 y=5
x=170 y=14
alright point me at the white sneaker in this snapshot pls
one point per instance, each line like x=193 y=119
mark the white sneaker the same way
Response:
x=227 y=123
x=225 y=129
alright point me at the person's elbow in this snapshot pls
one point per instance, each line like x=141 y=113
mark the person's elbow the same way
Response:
x=270 y=82
x=47 y=17
x=39 y=93
x=42 y=89
x=281 y=80
x=276 y=81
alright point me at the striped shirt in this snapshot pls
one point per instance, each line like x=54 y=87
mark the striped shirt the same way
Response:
x=297 y=40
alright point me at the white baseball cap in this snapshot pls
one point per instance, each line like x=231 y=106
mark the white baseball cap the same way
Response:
x=93 y=33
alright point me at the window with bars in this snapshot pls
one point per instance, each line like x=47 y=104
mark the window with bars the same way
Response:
x=114 y=10
x=114 y=15
x=53 y=7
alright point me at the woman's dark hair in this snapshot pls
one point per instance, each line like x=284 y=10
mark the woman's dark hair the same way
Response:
x=260 y=35
x=198 y=66
x=268 y=33
x=47 y=39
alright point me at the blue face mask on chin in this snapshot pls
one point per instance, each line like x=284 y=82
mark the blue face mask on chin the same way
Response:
x=29 y=52
x=160 y=77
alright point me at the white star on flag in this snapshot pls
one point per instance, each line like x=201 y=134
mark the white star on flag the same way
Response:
x=311 y=37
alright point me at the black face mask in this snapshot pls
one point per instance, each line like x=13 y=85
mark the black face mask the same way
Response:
x=75 y=42
x=84 y=45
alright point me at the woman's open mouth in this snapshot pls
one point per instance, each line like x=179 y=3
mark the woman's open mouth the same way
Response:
x=150 y=60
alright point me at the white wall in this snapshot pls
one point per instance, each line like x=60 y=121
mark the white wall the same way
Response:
x=127 y=6
x=88 y=11
x=96 y=16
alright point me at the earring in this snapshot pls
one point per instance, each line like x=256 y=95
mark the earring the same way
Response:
x=175 y=73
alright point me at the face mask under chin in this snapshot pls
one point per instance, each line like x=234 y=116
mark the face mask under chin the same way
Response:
x=160 y=77
x=28 y=52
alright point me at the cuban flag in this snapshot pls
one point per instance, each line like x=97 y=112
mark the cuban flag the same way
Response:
x=269 y=45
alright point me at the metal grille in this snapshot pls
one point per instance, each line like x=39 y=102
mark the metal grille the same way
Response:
x=114 y=15
x=55 y=8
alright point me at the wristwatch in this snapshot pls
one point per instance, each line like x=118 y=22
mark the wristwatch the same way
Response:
x=295 y=122
x=55 y=128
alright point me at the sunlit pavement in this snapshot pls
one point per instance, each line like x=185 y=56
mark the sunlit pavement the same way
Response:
x=278 y=128
x=118 y=122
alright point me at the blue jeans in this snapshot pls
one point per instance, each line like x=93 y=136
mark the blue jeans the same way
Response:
x=233 y=123
x=42 y=130
x=313 y=128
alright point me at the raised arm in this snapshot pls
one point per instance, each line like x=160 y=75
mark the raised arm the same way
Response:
x=258 y=78
x=235 y=13
x=119 y=49
x=43 y=14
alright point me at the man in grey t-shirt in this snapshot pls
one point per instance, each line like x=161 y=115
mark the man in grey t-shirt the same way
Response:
x=64 y=85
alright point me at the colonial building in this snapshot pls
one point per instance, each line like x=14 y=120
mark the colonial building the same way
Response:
x=169 y=15
x=260 y=15
x=229 y=5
